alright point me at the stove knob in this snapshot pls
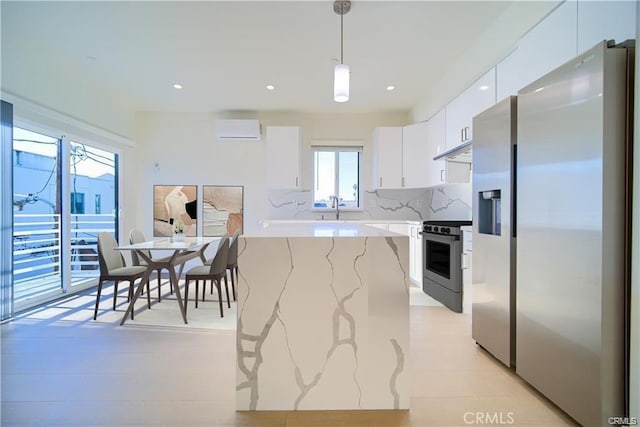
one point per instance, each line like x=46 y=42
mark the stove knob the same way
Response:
x=435 y=228
x=446 y=230
x=428 y=228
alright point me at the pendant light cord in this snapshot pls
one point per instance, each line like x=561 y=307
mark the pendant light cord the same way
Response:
x=341 y=32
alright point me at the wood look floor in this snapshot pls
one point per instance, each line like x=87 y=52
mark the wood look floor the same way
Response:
x=60 y=368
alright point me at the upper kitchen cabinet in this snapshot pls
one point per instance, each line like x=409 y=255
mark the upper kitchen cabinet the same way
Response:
x=436 y=134
x=387 y=157
x=283 y=157
x=548 y=45
x=421 y=142
x=415 y=155
x=459 y=113
x=610 y=20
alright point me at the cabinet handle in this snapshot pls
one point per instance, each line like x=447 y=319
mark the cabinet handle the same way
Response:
x=462 y=135
x=403 y=181
x=463 y=261
x=466 y=133
x=296 y=181
x=380 y=181
x=441 y=175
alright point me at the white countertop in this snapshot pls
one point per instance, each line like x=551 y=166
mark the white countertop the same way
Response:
x=319 y=229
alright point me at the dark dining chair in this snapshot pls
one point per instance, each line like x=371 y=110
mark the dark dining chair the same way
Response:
x=216 y=271
x=232 y=261
x=113 y=268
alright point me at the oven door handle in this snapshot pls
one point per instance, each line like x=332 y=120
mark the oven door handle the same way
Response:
x=444 y=238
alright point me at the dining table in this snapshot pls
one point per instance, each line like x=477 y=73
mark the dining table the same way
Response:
x=180 y=253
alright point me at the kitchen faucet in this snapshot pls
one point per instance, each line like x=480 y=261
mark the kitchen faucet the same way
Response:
x=336 y=204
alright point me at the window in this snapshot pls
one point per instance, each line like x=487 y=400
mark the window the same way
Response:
x=77 y=203
x=336 y=172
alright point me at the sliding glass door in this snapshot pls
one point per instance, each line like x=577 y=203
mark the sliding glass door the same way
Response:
x=64 y=194
x=92 y=209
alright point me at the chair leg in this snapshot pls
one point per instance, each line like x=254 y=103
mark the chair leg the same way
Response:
x=159 y=283
x=115 y=293
x=204 y=287
x=131 y=293
x=233 y=284
x=226 y=288
x=148 y=294
x=196 y=295
x=95 y=312
x=219 y=296
x=186 y=295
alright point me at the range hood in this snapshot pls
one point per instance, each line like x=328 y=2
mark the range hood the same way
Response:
x=461 y=153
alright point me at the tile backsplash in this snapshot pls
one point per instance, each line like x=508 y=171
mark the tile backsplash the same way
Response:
x=446 y=201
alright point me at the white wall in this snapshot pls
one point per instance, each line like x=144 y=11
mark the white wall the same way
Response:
x=187 y=152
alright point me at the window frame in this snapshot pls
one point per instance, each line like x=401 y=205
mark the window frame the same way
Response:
x=336 y=149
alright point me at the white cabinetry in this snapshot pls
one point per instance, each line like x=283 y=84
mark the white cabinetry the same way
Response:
x=387 y=157
x=509 y=78
x=414 y=155
x=467 y=289
x=283 y=157
x=569 y=30
x=436 y=134
x=459 y=113
x=415 y=253
x=605 y=20
x=421 y=142
x=548 y=45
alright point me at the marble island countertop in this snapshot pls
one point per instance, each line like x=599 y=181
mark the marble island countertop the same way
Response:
x=325 y=228
x=323 y=318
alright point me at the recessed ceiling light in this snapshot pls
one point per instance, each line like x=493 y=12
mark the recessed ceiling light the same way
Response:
x=270 y=87
x=391 y=87
x=483 y=87
x=177 y=86
x=539 y=89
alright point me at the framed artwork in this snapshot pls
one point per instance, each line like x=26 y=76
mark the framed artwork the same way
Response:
x=173 y=202
x=222 y=209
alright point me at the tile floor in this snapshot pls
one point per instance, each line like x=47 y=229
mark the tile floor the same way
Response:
x=60 y=368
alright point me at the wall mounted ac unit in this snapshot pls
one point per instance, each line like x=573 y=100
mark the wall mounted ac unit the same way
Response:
x=237 y=130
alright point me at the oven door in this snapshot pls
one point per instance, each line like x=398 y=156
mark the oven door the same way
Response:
x=442 y=260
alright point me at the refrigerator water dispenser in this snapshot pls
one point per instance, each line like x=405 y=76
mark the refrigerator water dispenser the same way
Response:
x=489 y=221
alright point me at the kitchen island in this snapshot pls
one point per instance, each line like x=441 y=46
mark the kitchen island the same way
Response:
x=323 y=318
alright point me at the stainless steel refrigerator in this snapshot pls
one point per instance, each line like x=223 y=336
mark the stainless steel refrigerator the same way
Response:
x=493 y=261
x=572 y=218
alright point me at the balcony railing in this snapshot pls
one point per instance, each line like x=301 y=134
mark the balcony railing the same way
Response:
x=38 y=254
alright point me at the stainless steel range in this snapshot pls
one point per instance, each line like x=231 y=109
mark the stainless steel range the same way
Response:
x=442 y=269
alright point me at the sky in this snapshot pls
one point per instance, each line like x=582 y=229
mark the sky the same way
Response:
x=92 y=165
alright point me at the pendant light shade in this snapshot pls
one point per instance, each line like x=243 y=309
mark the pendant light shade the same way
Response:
x=341 y=73
x=341 y=83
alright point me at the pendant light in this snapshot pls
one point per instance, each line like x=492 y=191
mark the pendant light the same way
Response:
x=341 y=73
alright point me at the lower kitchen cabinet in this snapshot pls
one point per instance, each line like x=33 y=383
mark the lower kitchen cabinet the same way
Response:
x=415 y=253
x=467 y=289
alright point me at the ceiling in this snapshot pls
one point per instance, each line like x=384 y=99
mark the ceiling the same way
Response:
x=225 y=53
